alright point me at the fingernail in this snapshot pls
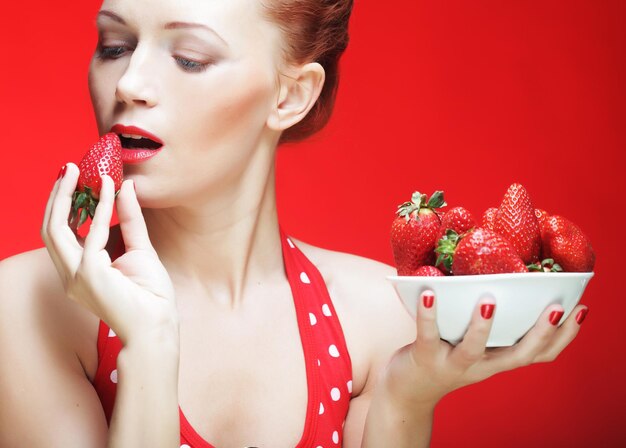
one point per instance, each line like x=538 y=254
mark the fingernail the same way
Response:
x=62 y=172
x=555 y=317
x=428 y=300
x=486 y=310
x=581 y=315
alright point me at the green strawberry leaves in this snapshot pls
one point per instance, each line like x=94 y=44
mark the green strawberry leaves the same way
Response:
x=419 y=201
x=445 y=248
x=547 y=265
x=436 y=200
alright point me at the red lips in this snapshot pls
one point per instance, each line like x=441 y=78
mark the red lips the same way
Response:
x=121 y=129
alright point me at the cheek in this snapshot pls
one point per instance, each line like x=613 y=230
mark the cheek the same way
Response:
x=101 y=99
x=214 y=124
x=231 y=108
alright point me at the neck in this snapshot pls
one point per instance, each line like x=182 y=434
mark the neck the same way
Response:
x=221 y=248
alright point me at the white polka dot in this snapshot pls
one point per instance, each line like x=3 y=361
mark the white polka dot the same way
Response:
x=335 y=394
x=111 y=333
x=114 y=376
x=349 y=384
x=304 y=278
x=321 y=408
x=335 y=437
x=312 y=318
x=319 y=446
x=326 y=310
x=184 y=445
x=334 y=352
x=290 y=243
x=318 y=363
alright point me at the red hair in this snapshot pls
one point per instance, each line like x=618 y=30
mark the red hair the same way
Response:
x=314 y=31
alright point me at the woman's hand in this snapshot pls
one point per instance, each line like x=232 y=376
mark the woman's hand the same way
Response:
x=429 y=368
x=133 y=294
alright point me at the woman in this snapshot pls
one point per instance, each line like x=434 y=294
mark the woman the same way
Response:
x=199 y=298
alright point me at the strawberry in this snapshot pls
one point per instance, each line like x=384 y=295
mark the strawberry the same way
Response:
x=104 y=157
x=427 y=271
x=414 y=232
x=458 y=219
x=488 y=218
x=541 y=215
x=565 y=242
x=479 y=251
x=516 y=221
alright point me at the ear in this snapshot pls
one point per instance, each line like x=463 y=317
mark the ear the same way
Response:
x=297 y=94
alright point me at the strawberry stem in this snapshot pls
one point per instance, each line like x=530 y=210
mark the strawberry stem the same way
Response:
x=419 y=201
x=445 y=248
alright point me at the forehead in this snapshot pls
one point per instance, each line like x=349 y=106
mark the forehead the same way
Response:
x=238 y=22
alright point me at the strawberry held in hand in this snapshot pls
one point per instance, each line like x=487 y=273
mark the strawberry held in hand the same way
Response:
x=104 y=157
x=414 y=232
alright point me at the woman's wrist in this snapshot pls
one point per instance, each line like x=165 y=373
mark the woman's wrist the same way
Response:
x=406 y=399
x=401 y=419
x=162 y=343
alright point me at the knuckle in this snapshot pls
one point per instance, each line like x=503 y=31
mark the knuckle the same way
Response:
x=428 y=318
x=469 y=356
x=520 y=357
x=549 y=357
x=524 y=359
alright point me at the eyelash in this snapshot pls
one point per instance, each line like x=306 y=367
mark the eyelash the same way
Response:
x=107 y=53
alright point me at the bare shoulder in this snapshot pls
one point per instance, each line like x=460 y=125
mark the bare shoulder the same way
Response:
x=360 y=284
x=374 y=321
x=41 y=374
x=33 y=306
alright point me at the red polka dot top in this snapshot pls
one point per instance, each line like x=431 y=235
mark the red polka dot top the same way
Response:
x=328 y=365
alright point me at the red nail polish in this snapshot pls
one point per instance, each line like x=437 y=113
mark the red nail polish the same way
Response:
x=555 y=317
x=486 y=310
x=581 y=315
x=428 y=301
x=62 y=172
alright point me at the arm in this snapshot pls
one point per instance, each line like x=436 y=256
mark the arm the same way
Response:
x=386 y=422
x=48 y=400
x=146 y=404
x=133 y=294
x=407 y=424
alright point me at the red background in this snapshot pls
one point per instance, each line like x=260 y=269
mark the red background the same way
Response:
x=464 y=96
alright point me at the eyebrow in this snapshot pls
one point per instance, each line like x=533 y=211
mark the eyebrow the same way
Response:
x=167 y=26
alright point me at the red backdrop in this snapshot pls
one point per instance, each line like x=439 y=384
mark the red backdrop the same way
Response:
x=462 y=96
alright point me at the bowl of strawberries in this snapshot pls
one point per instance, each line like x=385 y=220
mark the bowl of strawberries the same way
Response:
x=522 y=257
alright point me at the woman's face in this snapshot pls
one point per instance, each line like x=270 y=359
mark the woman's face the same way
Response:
x=206 y=94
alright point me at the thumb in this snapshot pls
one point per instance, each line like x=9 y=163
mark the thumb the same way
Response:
x=132 y=223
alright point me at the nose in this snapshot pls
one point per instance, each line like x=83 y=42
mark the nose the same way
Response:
x=137 y=86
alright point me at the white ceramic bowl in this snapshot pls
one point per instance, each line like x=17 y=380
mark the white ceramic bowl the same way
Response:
x=520 y=299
